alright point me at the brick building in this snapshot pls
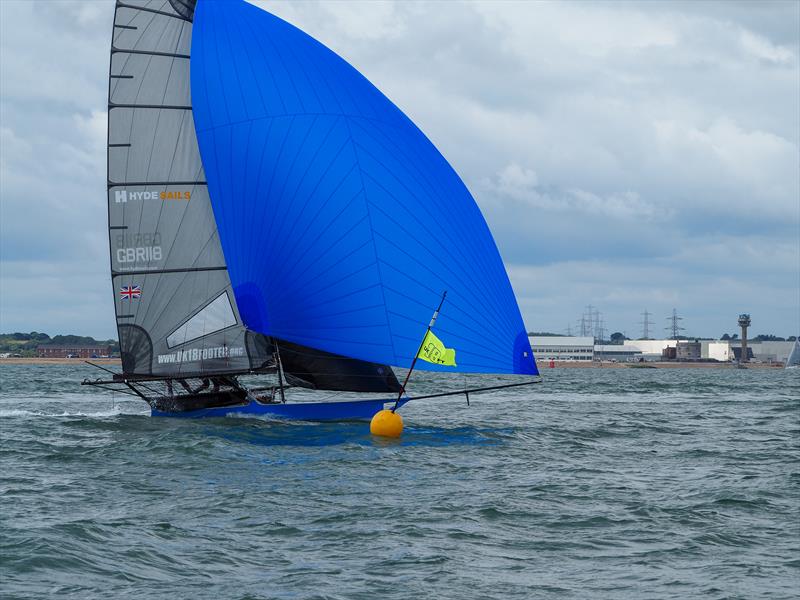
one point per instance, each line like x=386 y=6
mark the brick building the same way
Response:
x=74 y=351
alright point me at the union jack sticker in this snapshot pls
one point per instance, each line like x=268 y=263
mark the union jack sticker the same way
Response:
x=129 y=292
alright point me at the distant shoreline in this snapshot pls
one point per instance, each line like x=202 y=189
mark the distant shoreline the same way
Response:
x=569 y=364
x=59 y=361
x=543 y=365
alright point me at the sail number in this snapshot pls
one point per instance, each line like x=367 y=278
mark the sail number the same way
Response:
x=139 y=254
x=138 y=247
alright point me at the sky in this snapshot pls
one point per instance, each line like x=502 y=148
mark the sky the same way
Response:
x=628 y=156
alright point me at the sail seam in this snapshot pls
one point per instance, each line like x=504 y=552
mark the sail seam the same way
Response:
x=141 y=36
x=275 y=49
x=199 y=255
x=300 y=255
x=124 y=66
x=128 y=58
x=344 y=235
x=337 y=282
x=372 y=237
x=301 y=181
x=285 y=179
x=454 y=243
x=172 y=161
x=470 y=281
x=252 y=217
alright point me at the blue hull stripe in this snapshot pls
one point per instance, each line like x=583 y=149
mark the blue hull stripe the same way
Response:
x=356 y=410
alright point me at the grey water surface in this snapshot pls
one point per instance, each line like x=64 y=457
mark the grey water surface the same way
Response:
x=597 y=483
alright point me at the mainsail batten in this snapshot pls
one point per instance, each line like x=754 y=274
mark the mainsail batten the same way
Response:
x=363 y=221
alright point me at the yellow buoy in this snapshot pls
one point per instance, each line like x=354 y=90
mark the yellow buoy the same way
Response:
x=386 y=424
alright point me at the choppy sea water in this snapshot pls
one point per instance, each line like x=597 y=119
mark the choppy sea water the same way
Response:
x=618 y=483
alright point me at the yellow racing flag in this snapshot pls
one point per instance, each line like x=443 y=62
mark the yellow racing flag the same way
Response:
x=433 y=351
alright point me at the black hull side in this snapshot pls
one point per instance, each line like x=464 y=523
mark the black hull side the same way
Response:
x=191 y=402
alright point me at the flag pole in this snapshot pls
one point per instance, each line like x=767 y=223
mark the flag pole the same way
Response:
x=414 y=362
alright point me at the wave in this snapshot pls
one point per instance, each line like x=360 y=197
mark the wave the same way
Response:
x=113 y=412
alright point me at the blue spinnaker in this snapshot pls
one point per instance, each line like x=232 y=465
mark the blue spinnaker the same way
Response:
x=340 y=222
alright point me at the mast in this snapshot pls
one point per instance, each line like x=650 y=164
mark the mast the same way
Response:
x=279 y=367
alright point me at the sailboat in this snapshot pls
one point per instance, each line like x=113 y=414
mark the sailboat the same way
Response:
x=271 y=212
x=793 y=360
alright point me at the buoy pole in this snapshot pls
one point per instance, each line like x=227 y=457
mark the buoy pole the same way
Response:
x=419 y=349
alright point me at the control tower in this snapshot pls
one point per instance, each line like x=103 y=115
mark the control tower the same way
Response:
x=744 y=323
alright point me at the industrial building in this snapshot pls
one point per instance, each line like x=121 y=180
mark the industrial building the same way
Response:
x=562 y=348
x=716 y=350
x=764 y=352
x=583 y=348
x=686 y=350
x=650 y=349
x=682 y=350
x=617 y=352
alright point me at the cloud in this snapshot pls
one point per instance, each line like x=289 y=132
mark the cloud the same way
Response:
x=625 y=154
x=763 y=49
x=709 y=296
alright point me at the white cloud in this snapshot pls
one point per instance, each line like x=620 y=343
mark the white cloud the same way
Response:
x=763 y=49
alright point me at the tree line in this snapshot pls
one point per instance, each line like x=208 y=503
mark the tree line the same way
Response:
x=26 y=343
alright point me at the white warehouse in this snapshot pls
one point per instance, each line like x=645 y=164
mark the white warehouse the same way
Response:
x=562 y=348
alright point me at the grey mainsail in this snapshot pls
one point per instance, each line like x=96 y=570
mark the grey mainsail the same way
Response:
x=176 y=312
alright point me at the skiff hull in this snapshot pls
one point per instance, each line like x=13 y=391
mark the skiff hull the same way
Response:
x=354 y=410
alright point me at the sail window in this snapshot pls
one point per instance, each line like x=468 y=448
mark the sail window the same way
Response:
x=216 y=315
